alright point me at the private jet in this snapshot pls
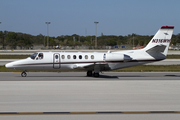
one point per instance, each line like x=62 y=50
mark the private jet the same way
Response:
x=96 y=62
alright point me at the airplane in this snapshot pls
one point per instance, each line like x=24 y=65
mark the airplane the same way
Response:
x=95 y=62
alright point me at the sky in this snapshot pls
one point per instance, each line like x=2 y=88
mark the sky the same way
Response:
x=68 y=17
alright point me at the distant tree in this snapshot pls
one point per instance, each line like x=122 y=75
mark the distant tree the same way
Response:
x=60 y=38
x=11 y=35
x=11 y=39
x=39 y=40
x=111 y=42
x=52 y=42
x=1 y=38
x=23 y=40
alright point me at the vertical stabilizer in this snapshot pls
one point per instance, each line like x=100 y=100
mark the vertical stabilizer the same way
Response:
x=159 y=44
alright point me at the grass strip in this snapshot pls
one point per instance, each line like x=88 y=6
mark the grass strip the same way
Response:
x=173 y=57
x=13 y=56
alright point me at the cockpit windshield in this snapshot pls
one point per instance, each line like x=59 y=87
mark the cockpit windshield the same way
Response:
x=33 y=56
x=37 y=56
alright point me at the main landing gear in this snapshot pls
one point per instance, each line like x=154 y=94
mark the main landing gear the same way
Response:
x=89 y=74
x=96 y=74
x=24 y=74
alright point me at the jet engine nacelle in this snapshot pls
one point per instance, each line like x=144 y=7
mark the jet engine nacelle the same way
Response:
x=116 y=57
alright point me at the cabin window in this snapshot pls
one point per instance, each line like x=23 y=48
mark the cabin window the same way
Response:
x=69 y=57
x=80 y=56
x=74 y=56
x=92 y=56
x=86 y=57
x=33 y=56
x=62 y=56
x=104 y=57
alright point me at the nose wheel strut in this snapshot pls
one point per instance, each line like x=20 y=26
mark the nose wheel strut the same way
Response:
x=23 y=74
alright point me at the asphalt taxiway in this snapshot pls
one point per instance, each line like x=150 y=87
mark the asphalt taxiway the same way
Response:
x=74 y=92
x=81 y=76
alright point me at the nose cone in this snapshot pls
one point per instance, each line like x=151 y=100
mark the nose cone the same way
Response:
x=9 y=65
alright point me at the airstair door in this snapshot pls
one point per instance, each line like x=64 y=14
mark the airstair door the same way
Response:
x=56 y=61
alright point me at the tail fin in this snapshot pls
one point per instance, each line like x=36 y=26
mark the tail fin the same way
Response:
x=159 y=44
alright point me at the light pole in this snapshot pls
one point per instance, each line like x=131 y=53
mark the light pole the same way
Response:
x=96 y=34
x=3 y=38
x=48 y=33
x=133 y=41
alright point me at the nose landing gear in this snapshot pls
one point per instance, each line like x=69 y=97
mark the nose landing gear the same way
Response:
x=24 y=74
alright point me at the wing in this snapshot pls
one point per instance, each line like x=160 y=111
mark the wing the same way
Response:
x=101 y=66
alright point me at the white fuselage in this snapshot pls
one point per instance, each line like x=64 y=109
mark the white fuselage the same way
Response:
x=82 y=60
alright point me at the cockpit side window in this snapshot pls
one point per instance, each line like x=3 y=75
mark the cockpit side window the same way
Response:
x=40 y=56
x=33 y=56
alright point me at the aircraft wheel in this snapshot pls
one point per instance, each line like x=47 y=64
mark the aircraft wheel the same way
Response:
x=89 y=73
x=96 y=74
x=23 y=74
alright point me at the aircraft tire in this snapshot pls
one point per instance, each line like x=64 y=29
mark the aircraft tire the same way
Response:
x=96 y=74
x=23 y=74
x=89 y=73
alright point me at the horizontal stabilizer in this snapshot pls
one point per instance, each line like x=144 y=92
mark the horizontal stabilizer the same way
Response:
x=157 y=52
x=157 y=49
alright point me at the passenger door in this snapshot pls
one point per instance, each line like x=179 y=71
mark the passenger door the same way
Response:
x=56 y=61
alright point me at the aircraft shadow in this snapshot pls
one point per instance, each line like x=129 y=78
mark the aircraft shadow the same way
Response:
x=61 y=76
x=172 y=75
